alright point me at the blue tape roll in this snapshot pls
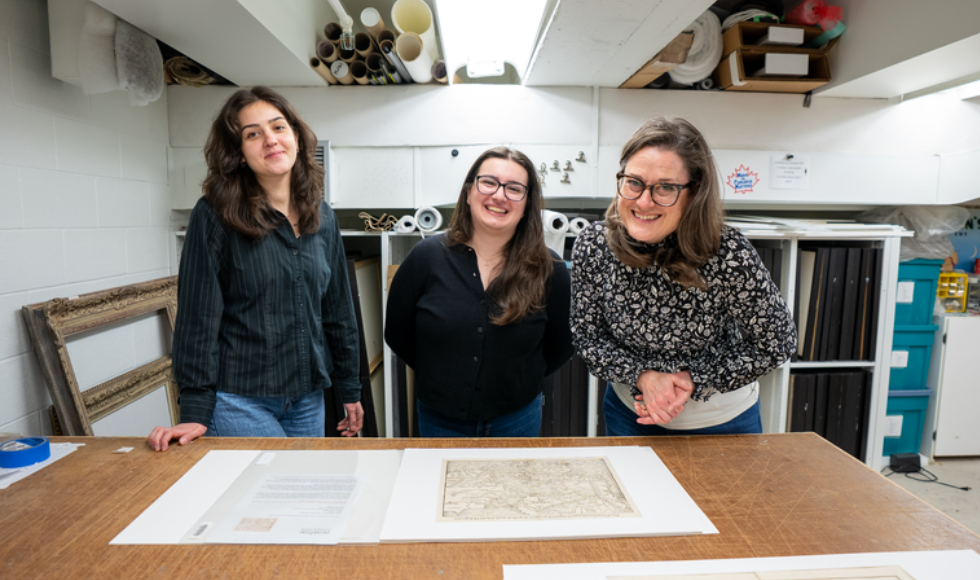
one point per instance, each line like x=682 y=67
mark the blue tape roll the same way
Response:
x=24 y=452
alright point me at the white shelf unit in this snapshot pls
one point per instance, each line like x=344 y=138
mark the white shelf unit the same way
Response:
x=774 y=390
x=951 y=428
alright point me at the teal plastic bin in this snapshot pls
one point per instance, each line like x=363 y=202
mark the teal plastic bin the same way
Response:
x=911 y=407
x=917 y=341
x=921 y=276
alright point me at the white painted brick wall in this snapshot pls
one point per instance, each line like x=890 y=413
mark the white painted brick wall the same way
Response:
x=84 y=206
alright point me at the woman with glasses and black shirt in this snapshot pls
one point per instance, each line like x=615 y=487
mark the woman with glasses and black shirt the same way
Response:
x=671 y=306
x=480 y=312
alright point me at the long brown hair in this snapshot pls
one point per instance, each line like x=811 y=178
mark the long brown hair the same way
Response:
x=701 y=224
x=232 y=188
x=520 y=287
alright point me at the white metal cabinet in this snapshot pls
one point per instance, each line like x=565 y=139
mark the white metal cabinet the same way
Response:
x=372 y=177
x=442 y=173
x=951 y=425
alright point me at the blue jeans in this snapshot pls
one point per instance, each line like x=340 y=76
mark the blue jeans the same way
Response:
x=621 y=421
x=524 y=422
x=240 y=416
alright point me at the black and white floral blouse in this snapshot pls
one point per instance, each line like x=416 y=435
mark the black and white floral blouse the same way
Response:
x=627 y=320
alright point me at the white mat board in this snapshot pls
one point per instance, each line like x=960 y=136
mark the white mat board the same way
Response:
x=929 y=565
x=211 y=489
x=665 y=508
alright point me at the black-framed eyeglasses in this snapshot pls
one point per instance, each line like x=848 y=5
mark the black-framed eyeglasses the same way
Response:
x=663 y=193
x=488 y=185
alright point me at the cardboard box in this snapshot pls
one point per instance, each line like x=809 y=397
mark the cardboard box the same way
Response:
x=748 y=35
x=731 y=74
x=673 y=54
x=781 y=64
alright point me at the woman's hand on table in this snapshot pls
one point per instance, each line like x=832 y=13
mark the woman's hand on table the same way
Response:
x=184 y=433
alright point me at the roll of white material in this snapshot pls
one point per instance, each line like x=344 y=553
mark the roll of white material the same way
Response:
x=555 y=228
x=428 y=219
x=97 y=51
x=416 y=16
x=705 y=51
x=405 y=225
x=577 y=225
x=410 y=49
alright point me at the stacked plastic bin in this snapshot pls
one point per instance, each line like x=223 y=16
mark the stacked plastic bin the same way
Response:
x=908 y=395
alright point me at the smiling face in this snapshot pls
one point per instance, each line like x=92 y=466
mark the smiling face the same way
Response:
x=268 y=141
x=644 y=220
x=495 y=214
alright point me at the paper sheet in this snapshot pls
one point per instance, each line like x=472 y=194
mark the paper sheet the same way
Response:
x=934 y=565
x=58 y=450
x=415 y=513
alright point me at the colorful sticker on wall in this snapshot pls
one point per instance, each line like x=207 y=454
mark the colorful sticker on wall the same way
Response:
x=743 y=180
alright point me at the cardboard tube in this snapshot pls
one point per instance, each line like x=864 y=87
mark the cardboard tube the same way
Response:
x=326 y=51
x=439 y=72
x=347 y=56
x=323 y=70
x=416 y=16
x=387 y=47
x=358 y=70
x=412 y=53
x=341 y=71
x=386 y=35
x=332 y=32
x=363 y=44
x=373 y=63
x=372 y=22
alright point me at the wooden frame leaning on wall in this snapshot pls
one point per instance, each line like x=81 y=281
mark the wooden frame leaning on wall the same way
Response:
x=51 y=322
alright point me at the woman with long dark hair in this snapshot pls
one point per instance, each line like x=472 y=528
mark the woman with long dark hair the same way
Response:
x=669 y=305
x=480 y=312
x=265 y=319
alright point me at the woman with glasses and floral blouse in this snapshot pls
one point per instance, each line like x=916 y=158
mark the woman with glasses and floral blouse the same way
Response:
x=671 y=306
x=480 y=312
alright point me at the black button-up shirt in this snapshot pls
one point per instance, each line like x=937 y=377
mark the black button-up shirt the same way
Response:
x=265 y=318
x=438 y=322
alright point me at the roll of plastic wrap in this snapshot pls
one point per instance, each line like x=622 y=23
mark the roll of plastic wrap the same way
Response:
x=428 y=219
x=405 y=225
x=555 y=228
x=705 y=51
x=24 y=452
x=409 y=48
x=416 y=16
x=577 y=225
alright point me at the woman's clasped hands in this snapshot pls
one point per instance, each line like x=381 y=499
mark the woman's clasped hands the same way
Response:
x=663 y=396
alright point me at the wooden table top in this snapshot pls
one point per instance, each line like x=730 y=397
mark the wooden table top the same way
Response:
x=768 y=495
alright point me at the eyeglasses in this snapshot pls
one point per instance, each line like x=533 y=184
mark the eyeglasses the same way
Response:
x=489 y=185
x=663 y=194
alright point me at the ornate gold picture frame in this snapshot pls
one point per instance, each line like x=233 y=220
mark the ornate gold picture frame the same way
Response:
x=51 y=322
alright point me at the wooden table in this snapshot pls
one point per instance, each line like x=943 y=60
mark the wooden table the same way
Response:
x=768 y=495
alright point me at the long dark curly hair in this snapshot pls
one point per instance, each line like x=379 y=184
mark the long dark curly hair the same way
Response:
x=520 y=287
x=232 y=188
x=701 y=224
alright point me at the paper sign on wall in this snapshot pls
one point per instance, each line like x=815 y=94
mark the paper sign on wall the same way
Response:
x=900 y=359
x=893 y=425
x=789 y=171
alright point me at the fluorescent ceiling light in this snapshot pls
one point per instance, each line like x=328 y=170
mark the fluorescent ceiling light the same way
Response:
x=962 y=88
x=484 y=35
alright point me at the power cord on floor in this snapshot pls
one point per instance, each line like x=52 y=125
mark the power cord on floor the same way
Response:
x=926 y=476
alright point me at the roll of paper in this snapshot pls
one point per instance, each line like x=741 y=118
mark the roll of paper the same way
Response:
x=372 y=22
x=439 y=72
x=428 y=219
x=409 y=48
x=577 y=225
x=326 y=51
x=705 y=51
x=405 y=225
x=323 y=70
x=341 y=71
x=555 y=228
x=416 y=16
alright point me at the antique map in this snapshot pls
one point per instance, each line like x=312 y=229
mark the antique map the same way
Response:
x=531 y=489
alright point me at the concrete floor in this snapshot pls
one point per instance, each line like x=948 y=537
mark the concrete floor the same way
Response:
x=962 y=506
